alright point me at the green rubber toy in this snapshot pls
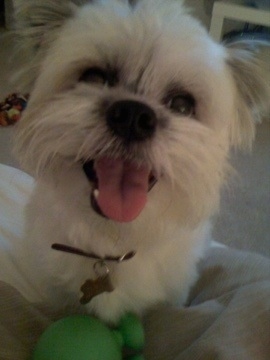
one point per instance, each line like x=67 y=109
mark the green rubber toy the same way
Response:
x=83 y=337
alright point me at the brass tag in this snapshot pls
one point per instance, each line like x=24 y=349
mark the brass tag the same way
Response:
x=92 y=288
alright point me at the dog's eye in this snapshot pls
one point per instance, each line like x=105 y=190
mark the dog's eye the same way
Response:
x=183 y=104
x=95 y=75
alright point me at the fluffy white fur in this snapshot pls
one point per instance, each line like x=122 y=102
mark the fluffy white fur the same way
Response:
x=153 y=44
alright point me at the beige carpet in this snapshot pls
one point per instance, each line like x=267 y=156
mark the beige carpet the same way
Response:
x=244 y=218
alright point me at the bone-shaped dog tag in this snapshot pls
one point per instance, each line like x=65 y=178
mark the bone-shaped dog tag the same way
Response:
x=92 y=288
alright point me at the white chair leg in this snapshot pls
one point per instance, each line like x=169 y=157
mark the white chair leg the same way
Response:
x=216 y=27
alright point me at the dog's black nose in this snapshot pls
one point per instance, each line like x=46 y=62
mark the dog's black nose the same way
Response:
x=131 y=120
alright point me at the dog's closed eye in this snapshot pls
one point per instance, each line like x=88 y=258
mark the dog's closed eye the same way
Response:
x=99 y=76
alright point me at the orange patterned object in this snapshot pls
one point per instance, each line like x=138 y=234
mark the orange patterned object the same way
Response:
x=11 y=108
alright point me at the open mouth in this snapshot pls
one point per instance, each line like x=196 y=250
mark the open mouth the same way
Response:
x=119 y=187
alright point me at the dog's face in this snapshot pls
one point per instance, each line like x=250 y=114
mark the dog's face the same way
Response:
x=134 y=107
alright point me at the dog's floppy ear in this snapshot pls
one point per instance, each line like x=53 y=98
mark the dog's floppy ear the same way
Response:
x=36 y=25
x=37 y=20
x=253 y=90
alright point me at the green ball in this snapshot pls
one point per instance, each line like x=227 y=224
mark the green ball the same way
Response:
x=136 y=357
x=132 y=331
x=78 y=337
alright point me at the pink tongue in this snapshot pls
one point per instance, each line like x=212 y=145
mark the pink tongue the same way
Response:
x=122 y=188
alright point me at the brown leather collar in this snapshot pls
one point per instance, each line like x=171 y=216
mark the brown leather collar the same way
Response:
x=76 y=251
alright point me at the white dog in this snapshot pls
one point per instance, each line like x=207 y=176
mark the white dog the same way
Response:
x=131 y=116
